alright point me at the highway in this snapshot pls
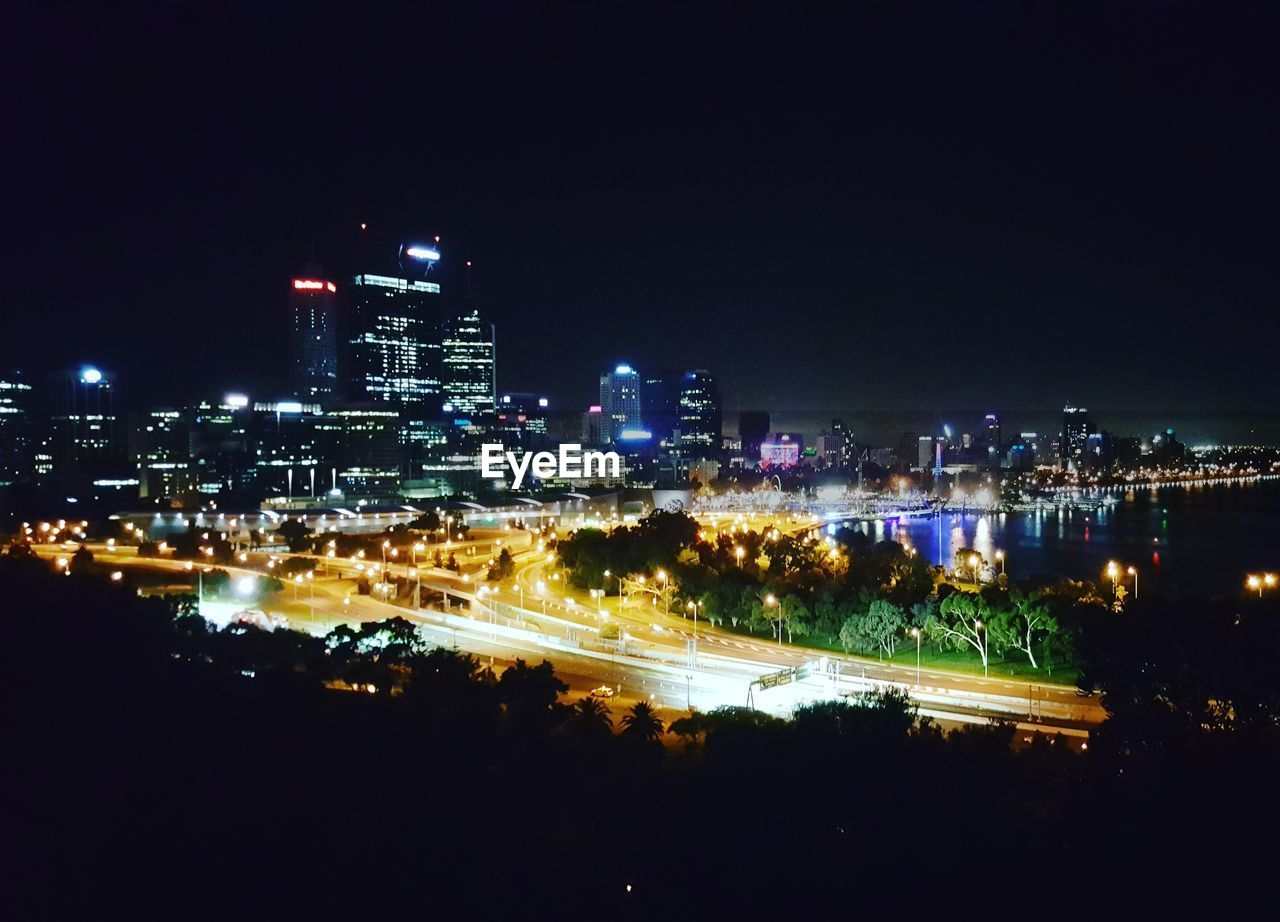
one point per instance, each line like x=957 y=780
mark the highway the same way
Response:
x=535 y=617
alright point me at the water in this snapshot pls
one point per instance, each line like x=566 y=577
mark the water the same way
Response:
x=1199 y=540
x=884 y=428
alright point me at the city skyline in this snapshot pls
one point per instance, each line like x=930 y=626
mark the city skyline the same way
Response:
x=809 y=223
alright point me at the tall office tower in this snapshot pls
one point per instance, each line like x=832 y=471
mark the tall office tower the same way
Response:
x=358 y=451
x=700 y=414
x=592 y=426
x=1076 y=429
x=660 y=404
x=221 y=460
x=285 y=435
x=467 y=352
x=924 y=452
x=522 y=419
x=395 y=335
x=313 y=318
x=846 y=449
x=620 y=404
x=753 y=429
x=17 y=428
x=994 y=444
x=160 y=449
x=83 y=424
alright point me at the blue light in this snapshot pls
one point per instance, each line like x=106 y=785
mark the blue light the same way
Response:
x=634 y=435
x=462 y=422
x=90 y=375
x=422 y=253
x=624 y=370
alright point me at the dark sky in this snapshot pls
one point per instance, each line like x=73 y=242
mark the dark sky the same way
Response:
x=843 y=206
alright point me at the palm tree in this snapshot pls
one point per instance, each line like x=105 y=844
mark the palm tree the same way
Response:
x=591 y=717
x=642 y=723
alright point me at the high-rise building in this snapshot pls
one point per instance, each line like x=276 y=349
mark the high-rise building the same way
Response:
x=593 y=425
x=620 y=405
x=924 y=452
x=467 y=354
x=286 y=454
x=221 y=459
x=160 y=449
x=522 y=419
x=699 y=415
x=83 y=424
x=836 y=447
x=753 y=429
x=313 y=318
x=994 y=445
x=660 y=404
x=359 y=450
x=395 y=335
x=17 y=428
x=1076 y=429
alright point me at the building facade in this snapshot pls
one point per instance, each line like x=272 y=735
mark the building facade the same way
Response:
x=468 y=360
x=313 y=335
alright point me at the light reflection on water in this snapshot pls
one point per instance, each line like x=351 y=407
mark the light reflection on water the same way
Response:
x=1201 y=539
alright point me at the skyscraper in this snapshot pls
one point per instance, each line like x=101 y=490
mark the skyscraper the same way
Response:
x=395 y=335
x=83 y=424
x=700 y=414
x=1076 y=429
x=17 y=428
x=469 y=369
x=620 y=404
x=313 y=317
x=660 y=403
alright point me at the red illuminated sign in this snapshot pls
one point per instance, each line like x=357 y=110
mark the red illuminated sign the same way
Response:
x=313 y=285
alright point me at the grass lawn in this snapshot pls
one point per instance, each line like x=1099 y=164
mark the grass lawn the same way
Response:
x=1015 y=666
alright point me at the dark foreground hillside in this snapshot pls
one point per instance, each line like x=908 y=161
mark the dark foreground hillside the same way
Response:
x=153 y=768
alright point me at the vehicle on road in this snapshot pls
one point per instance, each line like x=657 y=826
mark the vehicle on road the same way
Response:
x=604 y=691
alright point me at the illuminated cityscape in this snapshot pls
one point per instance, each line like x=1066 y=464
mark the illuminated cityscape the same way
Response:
x=640 y=461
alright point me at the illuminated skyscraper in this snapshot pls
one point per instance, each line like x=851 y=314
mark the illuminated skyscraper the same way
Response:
x=313 y=317
x=17 y=428
x=620 y=405
x=83 y=425
x=700 y=414
x=468 y=360
x=1076 y=429
x=395 y=335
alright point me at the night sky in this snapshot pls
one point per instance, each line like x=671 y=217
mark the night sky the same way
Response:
x=834 y=206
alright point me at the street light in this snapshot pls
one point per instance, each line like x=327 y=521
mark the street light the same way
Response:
x=1133 y=571
x=1000 y=557
x=915 y=632
x=662 y=575
x=739 y=552
x=770 y=601
x=1113 y=571
x=1254 y=582
x=982 y=644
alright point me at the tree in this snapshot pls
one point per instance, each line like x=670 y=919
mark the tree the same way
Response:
x=642 y=723
x=428 y=522
x=1026 y=622
x=81 y=560
x=591 y=718
x=529 y=693
x=294 y=532
x=504 y=567
x=291 y=566
x=881 y=626
x=960 y=622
